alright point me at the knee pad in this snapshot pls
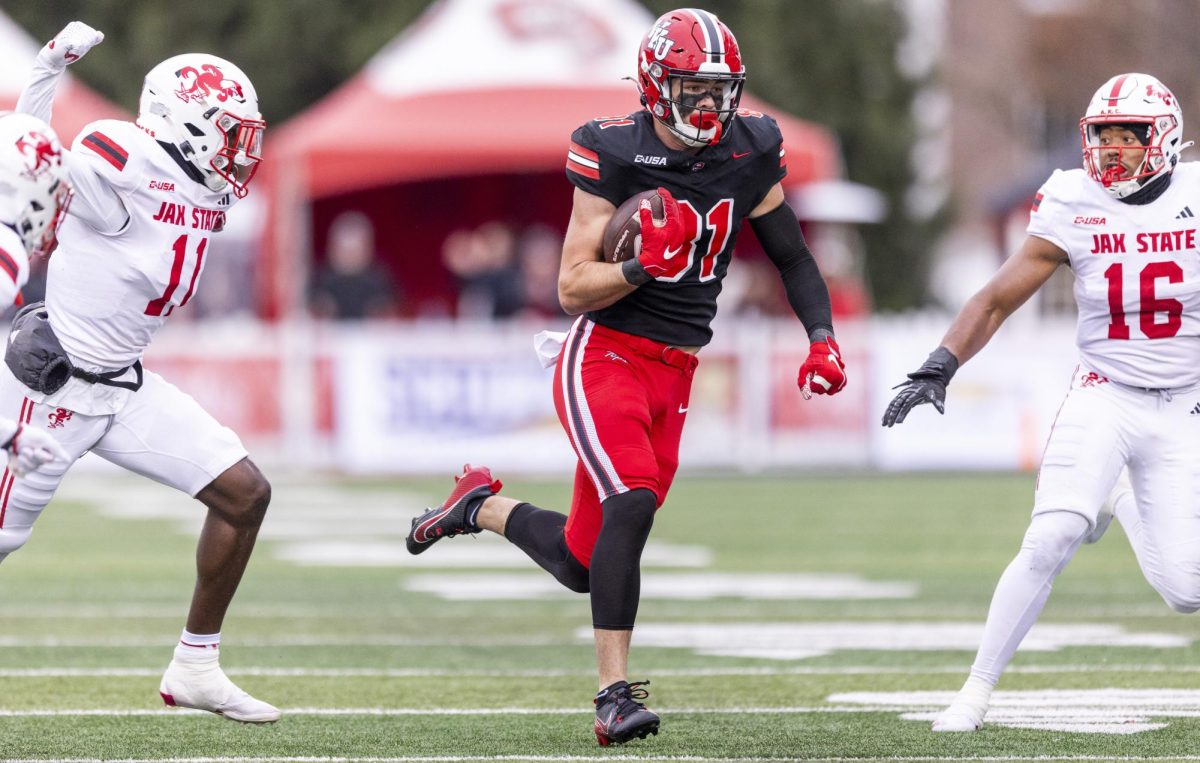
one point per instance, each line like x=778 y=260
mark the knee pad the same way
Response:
x=1052 y=538
x=1181 y=590
x=630 y=513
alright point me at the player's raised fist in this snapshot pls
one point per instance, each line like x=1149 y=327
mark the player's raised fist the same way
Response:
x=663 y=254
x=69 y=45
x=823 y=372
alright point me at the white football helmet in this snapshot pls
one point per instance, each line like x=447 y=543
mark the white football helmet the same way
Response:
x=208 y=109
x=34 y=191
x=1140 y=101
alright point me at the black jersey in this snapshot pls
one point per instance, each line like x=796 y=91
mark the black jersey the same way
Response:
x=717 y=187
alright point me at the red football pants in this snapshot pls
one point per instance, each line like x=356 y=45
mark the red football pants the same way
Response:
x=622 y=400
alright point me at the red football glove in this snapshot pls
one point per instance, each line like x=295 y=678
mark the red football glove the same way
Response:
x=823 y=372
x=662 y=241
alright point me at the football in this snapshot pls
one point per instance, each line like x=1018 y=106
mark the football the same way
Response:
x=623 y=234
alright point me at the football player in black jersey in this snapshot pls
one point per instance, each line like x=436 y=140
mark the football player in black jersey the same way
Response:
x=625 y=370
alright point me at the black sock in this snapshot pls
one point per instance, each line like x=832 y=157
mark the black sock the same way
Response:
x=615 y=574
x=472 y=512
x=539 y=533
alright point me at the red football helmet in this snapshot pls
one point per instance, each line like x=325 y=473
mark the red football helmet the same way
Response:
x=691 y=46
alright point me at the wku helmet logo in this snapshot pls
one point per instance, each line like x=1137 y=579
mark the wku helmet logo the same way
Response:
x=659 y=42
x=205 y=83
x=39 y=153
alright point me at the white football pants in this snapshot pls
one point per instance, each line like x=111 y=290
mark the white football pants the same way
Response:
x=1101 y=428
x=161 y=433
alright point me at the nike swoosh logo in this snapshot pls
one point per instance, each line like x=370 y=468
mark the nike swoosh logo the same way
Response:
x=682 y=409
x=421 y=532
x=672 y=252
x=739 y=156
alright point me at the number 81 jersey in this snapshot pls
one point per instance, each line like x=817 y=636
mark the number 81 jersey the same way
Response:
x=1137 y=275
x=108 y=292
x=717 y=187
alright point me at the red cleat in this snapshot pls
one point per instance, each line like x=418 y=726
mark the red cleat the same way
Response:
x=451 y=518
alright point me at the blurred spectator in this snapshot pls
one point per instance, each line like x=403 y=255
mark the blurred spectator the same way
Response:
x=485 y=262
x=352 y=285
x=540 y=254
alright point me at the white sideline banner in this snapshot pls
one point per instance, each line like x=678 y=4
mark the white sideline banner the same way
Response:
x=428 y=399
x=417 y=397
x=431 y=399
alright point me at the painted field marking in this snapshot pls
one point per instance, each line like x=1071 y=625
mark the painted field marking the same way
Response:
x=624 y=757
x=308 y=525
x=673 y=586
x=795 y=641
x=480 y=551
x=849 y=670
x=1093 y=711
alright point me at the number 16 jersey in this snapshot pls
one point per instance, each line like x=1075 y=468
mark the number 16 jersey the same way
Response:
x=1137 y=275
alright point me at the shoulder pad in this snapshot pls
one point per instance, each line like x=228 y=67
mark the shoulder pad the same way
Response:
x=112 y=149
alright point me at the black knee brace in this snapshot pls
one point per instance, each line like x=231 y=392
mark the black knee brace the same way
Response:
x=616 y=576
x=539 y=533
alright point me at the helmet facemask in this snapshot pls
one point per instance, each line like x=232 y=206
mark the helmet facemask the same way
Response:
x=38 y=223
x=237 y=159
x=702 y=126
x=1116 y=165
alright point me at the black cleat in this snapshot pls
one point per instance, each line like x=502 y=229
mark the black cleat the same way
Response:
x=619 y=715
x=450 y=518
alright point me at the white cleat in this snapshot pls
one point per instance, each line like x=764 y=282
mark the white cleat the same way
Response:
x=968 y=708
x=958 y=718
x=202 y=685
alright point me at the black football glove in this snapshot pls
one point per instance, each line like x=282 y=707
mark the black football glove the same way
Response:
x=926 y=385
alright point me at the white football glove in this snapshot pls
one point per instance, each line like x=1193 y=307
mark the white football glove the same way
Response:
x=69 y=45
x=30 y=449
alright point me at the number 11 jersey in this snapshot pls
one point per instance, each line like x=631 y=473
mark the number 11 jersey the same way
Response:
x=108 y=293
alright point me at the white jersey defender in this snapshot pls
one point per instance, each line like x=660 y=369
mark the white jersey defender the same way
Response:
x=1126 y=225
x=1137 y=275
x=150 y=199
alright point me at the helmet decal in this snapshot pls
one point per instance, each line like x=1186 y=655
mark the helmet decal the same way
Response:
x=203 y=85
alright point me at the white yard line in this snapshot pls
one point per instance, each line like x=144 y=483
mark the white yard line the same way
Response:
x=605 y=758
x=449 y=711
x=850 y=670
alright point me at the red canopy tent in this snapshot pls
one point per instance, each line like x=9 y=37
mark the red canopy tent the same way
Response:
x=462 y=120
x=74 y=104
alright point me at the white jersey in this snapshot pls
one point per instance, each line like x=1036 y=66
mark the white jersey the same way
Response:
x=1137 y=275
x=14 y=266
x=108 y=293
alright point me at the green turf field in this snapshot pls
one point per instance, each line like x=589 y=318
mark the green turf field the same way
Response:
x=825 y=618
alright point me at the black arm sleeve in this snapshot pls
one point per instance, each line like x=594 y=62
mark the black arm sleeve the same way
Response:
x=779 y=233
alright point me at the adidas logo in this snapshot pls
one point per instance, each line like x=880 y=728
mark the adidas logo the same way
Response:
x=1196 y=410
x=1187 y=212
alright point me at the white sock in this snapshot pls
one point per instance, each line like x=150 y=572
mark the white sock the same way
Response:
x=976 y=692
x=1049 y=544
x=195 y=647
